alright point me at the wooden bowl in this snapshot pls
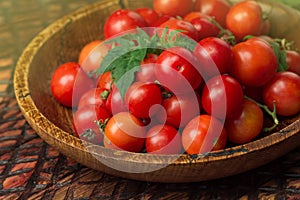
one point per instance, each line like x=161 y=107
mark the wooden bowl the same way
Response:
x=62 y=41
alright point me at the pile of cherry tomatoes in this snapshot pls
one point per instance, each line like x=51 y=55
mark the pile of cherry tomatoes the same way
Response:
x=182 y=100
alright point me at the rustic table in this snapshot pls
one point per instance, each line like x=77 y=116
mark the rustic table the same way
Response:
x=31 y=169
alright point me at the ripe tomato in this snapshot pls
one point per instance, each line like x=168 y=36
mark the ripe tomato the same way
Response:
x=122 y=20
x=222 y=97
x=163 y=139
x=141 y=99
x=147 y=73
x=193 y=15
x=215 y=8
x=179 y=110
x=105 y=81
x=85 y=122
x=178 y=24
x=254 y=62
x=173 y=7
x=126 y=132
x=245 y=18
x=176 y=63
x=284 y=89
x=205 y=27
x=69 y=82
x=149 y=15
x=94 y=96
x=245 y=127
x=293 y=61
x=114 y=102
x=215 y=55
x=161 y=19
x=91 y=56
x=203 y=134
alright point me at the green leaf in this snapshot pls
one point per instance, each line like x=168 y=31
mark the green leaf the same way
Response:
x=280 y=55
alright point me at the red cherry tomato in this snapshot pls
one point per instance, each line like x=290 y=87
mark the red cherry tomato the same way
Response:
x=193 y=15
x=245 y=18
x=162 y=19
x=85 y=122
x=247 y=126
x=141 y=99
x=94 y=96
x=218 y=9
x=215 y=55
x=284 y=89
x=125 y=132
x=222 y=97
x=178 y=24
x=149 y=15
x=177 y=64
x=105 y=81
x=147 y=73
x=69 y=82
x=203 y=134
x=179 y=110
x=163 y=139
x=293 y=61
x=114 y=102
x=173 y=7
x=254 y=62
x=122 y=20
x=205 y=28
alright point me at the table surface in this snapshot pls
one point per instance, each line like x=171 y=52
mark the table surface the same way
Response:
x=31 y=169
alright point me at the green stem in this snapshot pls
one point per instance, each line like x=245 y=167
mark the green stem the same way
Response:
x=273 y=113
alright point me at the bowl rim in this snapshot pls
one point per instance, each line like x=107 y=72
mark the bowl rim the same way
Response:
x=29 y=109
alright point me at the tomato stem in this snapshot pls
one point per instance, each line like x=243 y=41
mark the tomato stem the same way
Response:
x=224 y=34
x=273 y=113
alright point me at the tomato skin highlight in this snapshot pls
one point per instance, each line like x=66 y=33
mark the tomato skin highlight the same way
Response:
x=284 y=89
x=125 y=132
x=163 y=139
x=204 y=134
x=247 y=126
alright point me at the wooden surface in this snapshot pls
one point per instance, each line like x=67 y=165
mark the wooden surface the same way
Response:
x=31 y=169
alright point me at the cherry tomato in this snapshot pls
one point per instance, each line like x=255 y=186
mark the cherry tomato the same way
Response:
x=122 y=20
x=193 y=15
x=114 y=102
x=177 y=64
x=245 y=127
x=149 y=15
x=125 y=132
x=205 y=27
x=69 y=82
x=178 y=24
x=141 y=99
x=215 y=55
x=293 y=61
x=245 y=18
x=105 y=81
x=179 y=110
x=203 y=134
x=147 y=73
x=222 y=97
x=254 y=62
x=284 y=89
x=85 y=122
x=218 y=9
x=163 y=139
x=94 y=96
x=173 y=7
x=161 y=19
x=91 y=56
